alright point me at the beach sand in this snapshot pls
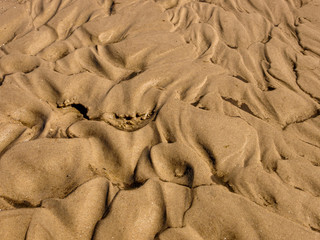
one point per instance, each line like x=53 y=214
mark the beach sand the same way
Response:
x=160 y=119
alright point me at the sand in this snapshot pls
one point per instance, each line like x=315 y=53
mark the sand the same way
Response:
x=160 y=119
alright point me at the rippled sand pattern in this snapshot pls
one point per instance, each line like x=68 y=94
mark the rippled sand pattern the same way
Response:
x=160 y=119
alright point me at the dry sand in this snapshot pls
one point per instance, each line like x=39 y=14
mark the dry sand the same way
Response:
x=160 y=119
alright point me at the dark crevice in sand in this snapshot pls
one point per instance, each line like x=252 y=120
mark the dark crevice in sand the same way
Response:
x=300 y=189
x=283 y=82
x=240 y=78
x=82 y=109
x=97 y=223
x=211 y=156
x=164 y=221
x=112 y=8
x=130 y=76
x=26 y=235
x=53 y=15
x=315 y=229
x=94 y=231
x=199 y=96
x=31 y=70
x=156 y=237
x=133 y=185
x=316 y=164
x=304 y=48
x=4 y=77
x=107 y=210
x=264 y=71
x=302 y=3
x=311 y=144
x=283 y=157
x=232 y=47
x=242 y=106
x=219 y=180
x=269 y=37
x=317 y=100
x=179 y=184
x=71 y=31
x=9 y=74
x=71 y=189
x=296 y=187
x=270 y=88
x=190 y=206
x=3 y=47
x=269 y=200
x=316 y=114
x=137 y=181
x=164 y=226
x=198 y=105
x=262 y=41
x=19 y=204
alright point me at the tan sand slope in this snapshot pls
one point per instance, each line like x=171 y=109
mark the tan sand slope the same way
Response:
x=160 y=119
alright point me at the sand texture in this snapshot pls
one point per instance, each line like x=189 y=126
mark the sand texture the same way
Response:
x=159 y=119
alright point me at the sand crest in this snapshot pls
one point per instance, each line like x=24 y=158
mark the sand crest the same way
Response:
x=159 y=119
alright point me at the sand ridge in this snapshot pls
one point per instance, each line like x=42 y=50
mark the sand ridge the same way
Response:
x=159 y=119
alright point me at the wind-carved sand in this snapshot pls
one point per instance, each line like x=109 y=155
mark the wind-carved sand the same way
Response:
x=167 y=119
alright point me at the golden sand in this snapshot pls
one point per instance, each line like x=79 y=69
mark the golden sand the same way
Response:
x=160 y=119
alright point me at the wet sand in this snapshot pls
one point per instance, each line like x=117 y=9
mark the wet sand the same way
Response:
x=160 y=119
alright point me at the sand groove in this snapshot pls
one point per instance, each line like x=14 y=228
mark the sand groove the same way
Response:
x=159 y=119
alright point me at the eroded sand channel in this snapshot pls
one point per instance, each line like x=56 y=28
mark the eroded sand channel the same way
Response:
x=165 y=119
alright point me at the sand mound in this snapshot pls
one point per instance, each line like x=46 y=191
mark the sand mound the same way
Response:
x=159 y=119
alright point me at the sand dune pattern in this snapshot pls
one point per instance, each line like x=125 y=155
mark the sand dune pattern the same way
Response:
x=159 y=119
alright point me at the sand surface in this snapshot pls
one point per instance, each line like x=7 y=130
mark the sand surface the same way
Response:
x=160 y=119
